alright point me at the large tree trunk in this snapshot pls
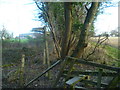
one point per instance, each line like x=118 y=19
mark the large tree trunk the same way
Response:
x=82 y=43
x=68 y=25
x=82 y=39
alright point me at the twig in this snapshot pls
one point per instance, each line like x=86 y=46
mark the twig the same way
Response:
x=99 y=42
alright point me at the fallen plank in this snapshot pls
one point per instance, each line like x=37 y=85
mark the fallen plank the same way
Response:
x=83 y=88
x=48 y=69
x=75 y=80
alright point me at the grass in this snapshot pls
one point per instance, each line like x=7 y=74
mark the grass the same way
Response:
x=112 y=52
x=24 y=40
x=17 y=40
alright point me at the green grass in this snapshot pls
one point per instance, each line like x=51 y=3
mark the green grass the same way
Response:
x=112 y=52
x=24 y=40
x=21 y=40
x=17 y=40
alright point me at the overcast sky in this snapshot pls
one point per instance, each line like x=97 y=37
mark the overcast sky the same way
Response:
x=107 y=21
x=17 y=17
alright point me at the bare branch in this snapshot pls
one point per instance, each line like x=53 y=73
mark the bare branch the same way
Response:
x=99 y=42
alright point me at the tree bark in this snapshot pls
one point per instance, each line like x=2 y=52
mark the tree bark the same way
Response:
x=68 y=25
x=82 y=43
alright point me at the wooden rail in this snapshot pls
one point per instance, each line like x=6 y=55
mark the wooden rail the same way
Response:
x=94 y=83
x=44 y=72
x=91 y=73
x=100 y=73
x=96 y=64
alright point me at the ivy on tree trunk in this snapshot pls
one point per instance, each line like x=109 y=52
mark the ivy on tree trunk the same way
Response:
x=68 y=26
x=82 y=43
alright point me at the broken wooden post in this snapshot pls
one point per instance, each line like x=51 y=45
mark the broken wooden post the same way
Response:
x=22 y=71
x=19 y=40
x=99 y=78
x=47 y=62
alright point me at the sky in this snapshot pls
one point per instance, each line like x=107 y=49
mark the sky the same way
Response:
x=107 y=21
x=18 y=17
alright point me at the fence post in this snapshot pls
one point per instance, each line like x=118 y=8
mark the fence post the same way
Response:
x=44 y=57
x=47 y=61
x=99 y=78
x=22 y=71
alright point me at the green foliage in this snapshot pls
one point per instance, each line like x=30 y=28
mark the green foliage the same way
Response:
x=77 y=26
x=114 y=33
x=78 y=3
x=91 y=31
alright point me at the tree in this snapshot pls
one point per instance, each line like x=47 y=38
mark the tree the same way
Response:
x=69 y=24
x=49 y=18
x=105 y=34
x=114 y=33
x=5 y=35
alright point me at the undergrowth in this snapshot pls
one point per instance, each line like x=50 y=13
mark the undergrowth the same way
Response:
x=112 y=52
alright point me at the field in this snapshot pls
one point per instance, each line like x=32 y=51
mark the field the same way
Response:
x=112 y=41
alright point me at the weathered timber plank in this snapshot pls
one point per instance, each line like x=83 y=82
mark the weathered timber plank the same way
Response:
x=92 y=73
x=75 y=80
x=81 y=61
x=94 y=83
x=83 y=88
